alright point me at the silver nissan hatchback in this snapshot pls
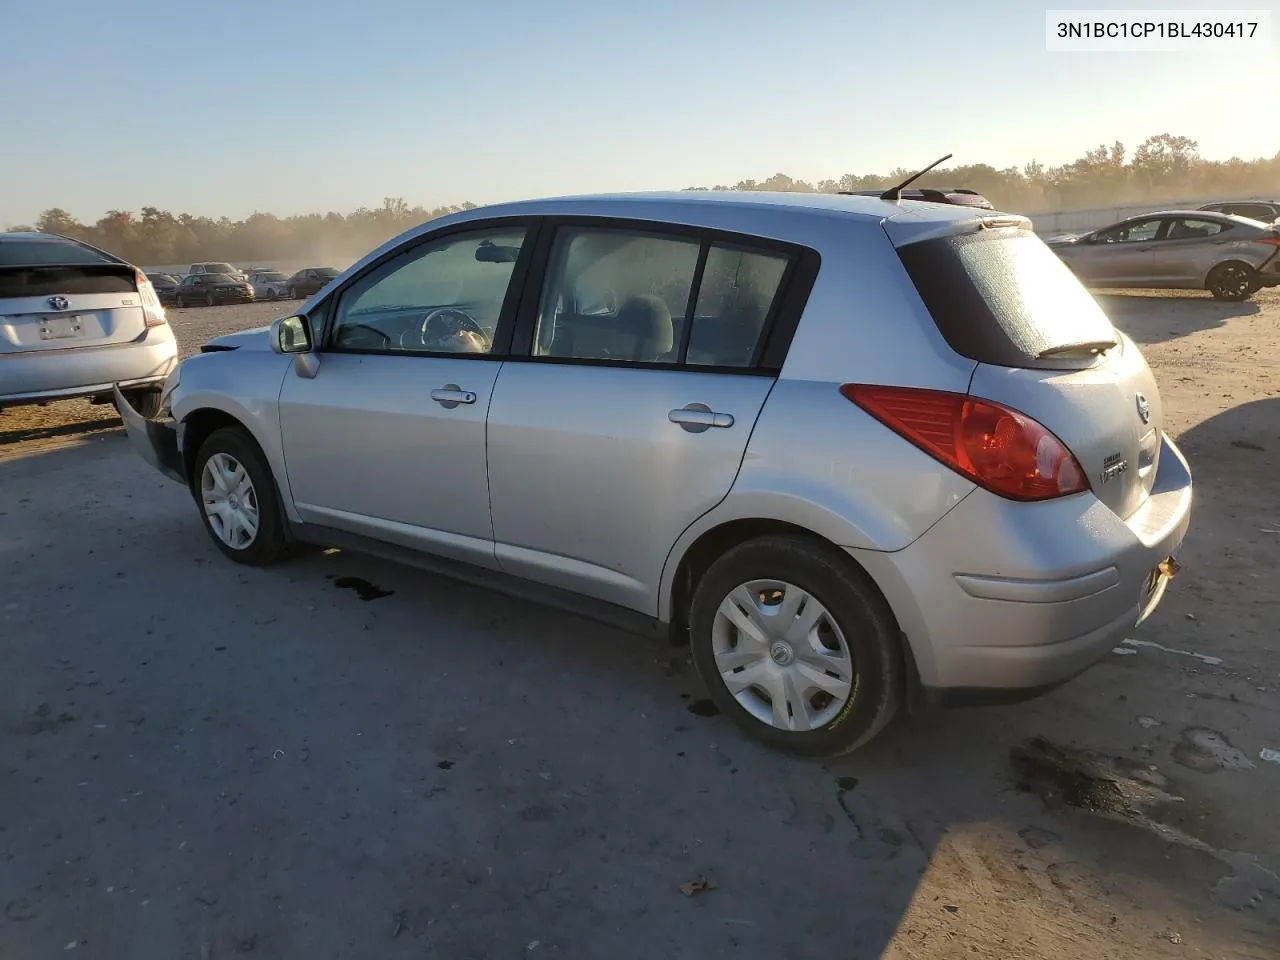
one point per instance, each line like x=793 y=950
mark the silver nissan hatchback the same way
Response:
x=856 y=451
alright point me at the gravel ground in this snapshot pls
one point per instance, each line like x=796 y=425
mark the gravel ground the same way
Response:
x=200 y=760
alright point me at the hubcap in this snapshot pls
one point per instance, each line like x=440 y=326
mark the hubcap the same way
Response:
x=230 y=501
x=782 y=655
x=1233 y=281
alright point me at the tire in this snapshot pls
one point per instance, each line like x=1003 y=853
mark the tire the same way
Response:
x=1232 y=281
x=272 y=294
x=145 y=402
x=230 y=448
x=846 y=600
x=293 y=294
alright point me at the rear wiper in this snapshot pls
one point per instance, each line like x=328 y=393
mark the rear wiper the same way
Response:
x=1070 y=349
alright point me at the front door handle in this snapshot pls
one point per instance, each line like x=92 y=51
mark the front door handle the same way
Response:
x=450 y=395
x=697 y=417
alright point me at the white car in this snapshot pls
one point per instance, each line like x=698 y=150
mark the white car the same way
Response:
x=269 y=284
x=74 y=320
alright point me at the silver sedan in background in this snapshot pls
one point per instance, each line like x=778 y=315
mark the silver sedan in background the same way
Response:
x=1230 y=256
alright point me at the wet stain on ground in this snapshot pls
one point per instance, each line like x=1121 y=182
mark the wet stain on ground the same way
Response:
x=363 y=588
x=704 y=708
x=445 y=764
x=1208 y=751
x=1087 y=781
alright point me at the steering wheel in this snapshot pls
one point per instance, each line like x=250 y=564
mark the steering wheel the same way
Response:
x=444 y=324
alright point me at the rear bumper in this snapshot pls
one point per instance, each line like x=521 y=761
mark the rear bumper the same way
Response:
x=1000 y=601
x=41 y=376
x=156 y=441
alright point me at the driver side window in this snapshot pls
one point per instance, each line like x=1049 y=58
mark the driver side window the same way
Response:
x=444 y=296
x=1140 y=232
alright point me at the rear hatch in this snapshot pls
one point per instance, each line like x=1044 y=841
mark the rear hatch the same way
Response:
x=59 y=307
x=1042 y=345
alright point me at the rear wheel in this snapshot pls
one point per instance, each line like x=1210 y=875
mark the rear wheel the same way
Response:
x=796 y=646
x=1232 y=281
x=145 y=402
x=236 y=493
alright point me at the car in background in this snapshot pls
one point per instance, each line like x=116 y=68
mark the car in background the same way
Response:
x=269 y=284
x=851 y=451
x=306 y=283
x=1229 y=256
x=166 y=285
x=1267 y=211
x=74 y=320
x=217 y=268
x=955 y=195
x=213 y=289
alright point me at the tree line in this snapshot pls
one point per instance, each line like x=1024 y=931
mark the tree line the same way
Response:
x=1163 y=167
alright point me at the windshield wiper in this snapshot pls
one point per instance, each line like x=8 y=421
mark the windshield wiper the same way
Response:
x=1071 y=349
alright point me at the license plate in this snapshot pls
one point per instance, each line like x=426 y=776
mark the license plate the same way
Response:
x=61 y=328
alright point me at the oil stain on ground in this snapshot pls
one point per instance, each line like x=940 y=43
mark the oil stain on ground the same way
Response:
x=363 y=588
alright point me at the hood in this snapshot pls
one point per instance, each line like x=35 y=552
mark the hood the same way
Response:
x=254 y=339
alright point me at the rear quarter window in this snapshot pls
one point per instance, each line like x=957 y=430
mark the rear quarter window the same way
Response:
x=1000 y=296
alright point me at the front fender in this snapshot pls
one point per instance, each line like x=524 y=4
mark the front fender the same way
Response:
x=244 y=385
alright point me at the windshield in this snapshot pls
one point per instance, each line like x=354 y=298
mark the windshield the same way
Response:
x=219 y=268
x=269 y=277
x=327 y=272
x=1003 y=297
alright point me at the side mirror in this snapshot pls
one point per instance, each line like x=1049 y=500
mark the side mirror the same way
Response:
x=291 y=335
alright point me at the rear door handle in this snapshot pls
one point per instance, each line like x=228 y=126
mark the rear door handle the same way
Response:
x=450 y=395
x=697 y=417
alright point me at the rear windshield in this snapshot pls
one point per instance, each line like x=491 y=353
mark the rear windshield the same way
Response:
x=1002 y=297
x=218 y=268
x=14 y=252
x=65 y=280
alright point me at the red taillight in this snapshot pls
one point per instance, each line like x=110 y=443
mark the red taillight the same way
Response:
x=1270 y=241
x=152 y=310
x=997 y=448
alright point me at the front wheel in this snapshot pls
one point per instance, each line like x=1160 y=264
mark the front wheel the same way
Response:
x=236 y=493
x=1233 y=281
x=796 y=646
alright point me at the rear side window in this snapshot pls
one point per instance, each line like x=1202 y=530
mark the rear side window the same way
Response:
x=641 y=297
x=735 y=299
x=1002 y=297
x=30 y=253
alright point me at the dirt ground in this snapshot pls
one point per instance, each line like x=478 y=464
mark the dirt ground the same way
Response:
x=198 y=760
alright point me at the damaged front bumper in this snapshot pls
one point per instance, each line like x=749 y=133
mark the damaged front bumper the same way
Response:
x=155 y=440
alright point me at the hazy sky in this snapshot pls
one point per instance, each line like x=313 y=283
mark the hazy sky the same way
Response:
x=293 y=106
